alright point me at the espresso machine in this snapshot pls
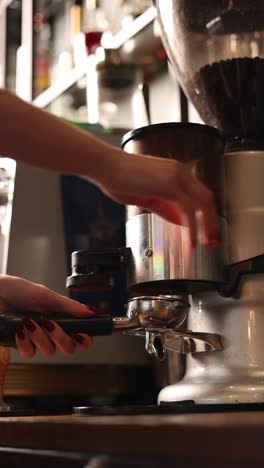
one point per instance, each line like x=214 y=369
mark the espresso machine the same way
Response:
x=206 y=304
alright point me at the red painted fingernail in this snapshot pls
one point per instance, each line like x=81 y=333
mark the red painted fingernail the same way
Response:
x=47 y=324
x=19 y=332
x=93 y=308
x=79 y=338
x=30 y=326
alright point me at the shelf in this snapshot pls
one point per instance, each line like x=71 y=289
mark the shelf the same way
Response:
x=60 y=86
x=133 y=29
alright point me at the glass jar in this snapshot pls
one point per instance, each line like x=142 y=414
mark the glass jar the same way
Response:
x=114 y=91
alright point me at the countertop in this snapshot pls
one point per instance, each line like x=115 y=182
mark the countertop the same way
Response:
x=224 y=439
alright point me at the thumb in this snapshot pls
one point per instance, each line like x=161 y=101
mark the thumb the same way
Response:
x=22 y=294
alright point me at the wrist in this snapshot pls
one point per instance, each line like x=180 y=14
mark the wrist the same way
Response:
x=108 y=167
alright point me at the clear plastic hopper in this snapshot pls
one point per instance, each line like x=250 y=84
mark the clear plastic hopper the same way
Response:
x=217 y=50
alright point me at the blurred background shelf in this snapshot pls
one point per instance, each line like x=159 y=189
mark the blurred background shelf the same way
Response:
x=60 y=86
x=136 y=40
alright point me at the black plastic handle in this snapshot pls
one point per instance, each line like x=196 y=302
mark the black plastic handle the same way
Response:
x=98 y=325
x=93 y=270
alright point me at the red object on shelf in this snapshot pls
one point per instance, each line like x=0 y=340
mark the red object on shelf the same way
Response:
x=161 y=54
x=92 y=40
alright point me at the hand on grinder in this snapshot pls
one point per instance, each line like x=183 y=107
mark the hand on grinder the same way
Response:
x=160 y=185
x=167 y=188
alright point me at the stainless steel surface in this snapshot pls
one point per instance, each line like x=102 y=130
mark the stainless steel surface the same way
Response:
x=152 y=317
x=152 y=312
x=236 y=374
x=159 y=340
x=169 y=311
x=187 y=341
x=162 y=251
x=125 y=323
x=243 y=205
x=155 y=344
x=172 y=257
x=158 y=320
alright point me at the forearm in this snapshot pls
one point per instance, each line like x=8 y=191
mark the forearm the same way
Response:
x=34 y=137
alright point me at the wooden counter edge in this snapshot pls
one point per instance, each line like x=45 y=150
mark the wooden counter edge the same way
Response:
x=215 y=435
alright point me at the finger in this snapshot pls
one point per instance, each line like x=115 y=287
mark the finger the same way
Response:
x=24 y=344
x=63 y=342
x=38 y=337
x=82 y=340
x=166 y=209
x=203 y=200
x=51 y=301
x=169 y=178
x=27 y=295
x=181 y=213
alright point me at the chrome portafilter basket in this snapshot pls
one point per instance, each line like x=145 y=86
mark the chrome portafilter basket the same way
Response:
x=161 y=319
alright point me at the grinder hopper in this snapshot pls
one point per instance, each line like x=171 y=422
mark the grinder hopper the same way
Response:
x=217 y=49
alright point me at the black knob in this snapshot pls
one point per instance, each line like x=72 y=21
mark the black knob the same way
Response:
x=92 y=270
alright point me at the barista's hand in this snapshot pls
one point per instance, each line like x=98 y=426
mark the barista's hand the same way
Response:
x=165 y=187
x=161 y=185
x=18 y=293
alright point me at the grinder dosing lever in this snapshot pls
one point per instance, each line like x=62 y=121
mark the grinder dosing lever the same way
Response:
x=156 y=318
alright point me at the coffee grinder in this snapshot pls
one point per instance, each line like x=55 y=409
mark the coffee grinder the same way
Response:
x=207 y=304
x=216 y=50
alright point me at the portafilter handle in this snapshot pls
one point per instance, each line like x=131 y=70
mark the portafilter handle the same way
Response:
x=97 y=325
x=156 y=319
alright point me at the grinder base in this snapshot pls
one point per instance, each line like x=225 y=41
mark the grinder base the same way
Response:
x=235 y=374
x=215 y=394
